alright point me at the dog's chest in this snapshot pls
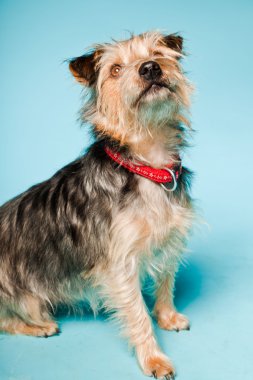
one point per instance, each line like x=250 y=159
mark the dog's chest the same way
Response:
x=162 y=213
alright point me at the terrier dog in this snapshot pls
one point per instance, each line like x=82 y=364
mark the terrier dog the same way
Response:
x=116 y=215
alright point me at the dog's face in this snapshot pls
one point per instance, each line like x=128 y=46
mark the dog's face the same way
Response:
x=135 y=81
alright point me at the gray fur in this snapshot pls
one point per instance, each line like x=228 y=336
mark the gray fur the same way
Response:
x=58 y=230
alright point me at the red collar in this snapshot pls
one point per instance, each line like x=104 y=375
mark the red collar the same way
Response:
x=167 y=177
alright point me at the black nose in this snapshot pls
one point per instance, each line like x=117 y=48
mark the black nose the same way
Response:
x=150 y=70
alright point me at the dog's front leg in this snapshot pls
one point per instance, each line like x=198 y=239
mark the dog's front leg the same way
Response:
x=123 y=296
x=164 y=310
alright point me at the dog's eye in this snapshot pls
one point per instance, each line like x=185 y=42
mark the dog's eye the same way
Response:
x=115 y=70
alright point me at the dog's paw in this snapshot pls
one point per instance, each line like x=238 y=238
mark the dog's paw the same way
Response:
x=153 y=361
x=17 y=326
x=47 y=329
x=51 y=328
x=159 y=368
x=171 y=320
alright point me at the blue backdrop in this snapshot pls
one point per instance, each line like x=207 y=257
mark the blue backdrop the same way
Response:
x=39 y=133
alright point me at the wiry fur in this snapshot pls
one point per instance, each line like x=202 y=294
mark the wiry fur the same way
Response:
x=95 y=225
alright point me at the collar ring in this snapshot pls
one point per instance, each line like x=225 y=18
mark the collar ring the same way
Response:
x=174 y=181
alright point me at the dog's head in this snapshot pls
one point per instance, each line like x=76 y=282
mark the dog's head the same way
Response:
x=133 y=83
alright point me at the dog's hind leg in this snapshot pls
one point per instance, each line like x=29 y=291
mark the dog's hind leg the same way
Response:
x=28 y=317
x=15 y=325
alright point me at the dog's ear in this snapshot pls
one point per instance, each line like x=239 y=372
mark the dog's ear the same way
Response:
x=173 y=41
x=84 y=68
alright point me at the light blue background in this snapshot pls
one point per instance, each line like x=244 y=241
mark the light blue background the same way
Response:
x=39 y=133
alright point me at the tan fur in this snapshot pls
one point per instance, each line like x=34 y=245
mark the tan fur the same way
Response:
x=147 y=236
x=114 y=113
x=155 y=223
x=34 y=320
x=159 y=367
x=32 y=307
x=17 y=326
x=150 y=236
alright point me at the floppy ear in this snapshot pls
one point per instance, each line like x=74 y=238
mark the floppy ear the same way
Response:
x=84 y=69
x=174 y=42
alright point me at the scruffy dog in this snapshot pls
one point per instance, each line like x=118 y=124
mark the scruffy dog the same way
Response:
x=119 y=213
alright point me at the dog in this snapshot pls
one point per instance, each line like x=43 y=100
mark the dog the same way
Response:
x=118 y=214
